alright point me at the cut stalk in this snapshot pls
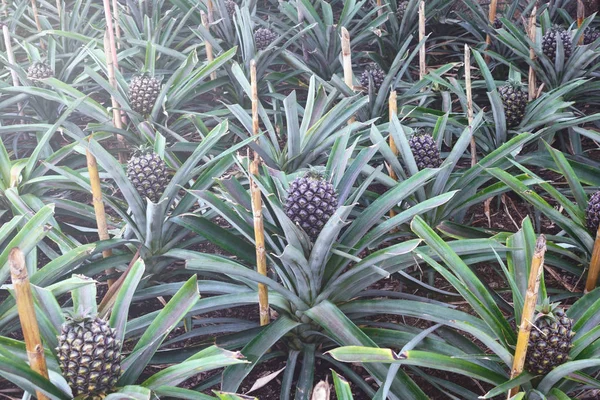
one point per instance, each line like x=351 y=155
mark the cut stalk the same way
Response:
x=422 y=50
x=580 y=17
x=25 y=307
x=259 y=230
x=211 y=11
x=36 y=17
x=347 y=62
x=492 y=18
x=469 y=90
x=59 y=11
x=532 y=77
x=393 y=110
x=594 y=272
x=209 y=49
x=99 y=206
x=533 y=286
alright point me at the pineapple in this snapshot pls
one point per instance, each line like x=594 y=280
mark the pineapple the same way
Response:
x=549 y=42
x=230 y=7
x=39 y=70
x=263 y=37
x=148 y=173
x=514 y=100
x=550 y=340
x=497 y=24
x=376 y=74
x=592 y=213
x=590 y=35
x=89 y=356
x=310 y=202
x=425 y=150
x=401 y=9
x=143 y=92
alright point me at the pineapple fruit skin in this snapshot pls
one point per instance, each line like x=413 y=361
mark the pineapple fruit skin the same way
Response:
x=592 y=213
x=263 y=37
x=376 y=74
x=39 y=70
x=549 y=43
x=143 y=93
x=149 y=174
x=515 y=101
x=425 y=151
x=89 y=356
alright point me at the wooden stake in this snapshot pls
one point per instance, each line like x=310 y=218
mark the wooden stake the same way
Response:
x=535 y=274
x=393 y=110
x=580 y=17
x=470 y=103
x=115 y=9
x=207 y=45
x=594 y=271
x=211 y=11
x=380 y=10
x=25 y=307
x=347 y=62
x=36 y=17
x=532 y=77
x=59 y=11
x=117 y=117
x=259 y=230
x=492 y=18
x=99 y=206
x=422 y=50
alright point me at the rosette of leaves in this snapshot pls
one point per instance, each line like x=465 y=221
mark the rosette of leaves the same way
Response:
x=309 y=281
x=145 y=334
x=302 y=133
x=318 y=49
x=490 y=325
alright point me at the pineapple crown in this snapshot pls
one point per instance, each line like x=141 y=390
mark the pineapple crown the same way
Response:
x=421 y=132
x=316 y=173
x=143 y=150
x=548 y=310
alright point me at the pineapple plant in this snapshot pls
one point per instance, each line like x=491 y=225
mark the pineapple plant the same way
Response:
x=514 y=99
x=263 y=37
x=549 y=42
x=550 y=340
x=39 y=70
x=310 y=202
x=143 y=93
x=375 y=74
x=89 y=355
x=425 y=150
x=148 y=173
x=592 y=213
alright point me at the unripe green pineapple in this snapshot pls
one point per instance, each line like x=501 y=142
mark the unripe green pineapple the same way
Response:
x=514 y=100
x=148 y=173
x=549 y=42
x=592 y=213
x=89 y=356
x=401 y=9
x=425 y=150
x=143 y=92
x=550 y=340
x=263 y=37
x=310 y=202
x=376 y=74
x=590 y=35
x=39 y=70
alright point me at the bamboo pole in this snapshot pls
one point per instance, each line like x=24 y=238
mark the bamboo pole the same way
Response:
x=209 y=48
x=492 y=18
x=580 y=17
x=532 y=77
x=393 y=110
x=98 y=203
x=211 y=11
x=535 y=274
x=380 y=10
x=36 y=17
x=422 y=50
x=31 y=330
x=469 y=90
x=259 y=230
x=115 y=10
x=594 y=271
x=347 y=62
x=59 y=11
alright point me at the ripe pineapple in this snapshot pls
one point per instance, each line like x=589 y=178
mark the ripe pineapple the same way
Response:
x=401 y=9
x=310 y=202
x=514 y=100
x=592 y=213
x=590 y=35
x=549 y=42
x=148 y=173
x=39 y=70
x=263 y=37
x=376 y=74
x=425 y=150
x=143 y=92
x=89 y=356
x=550 y=340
